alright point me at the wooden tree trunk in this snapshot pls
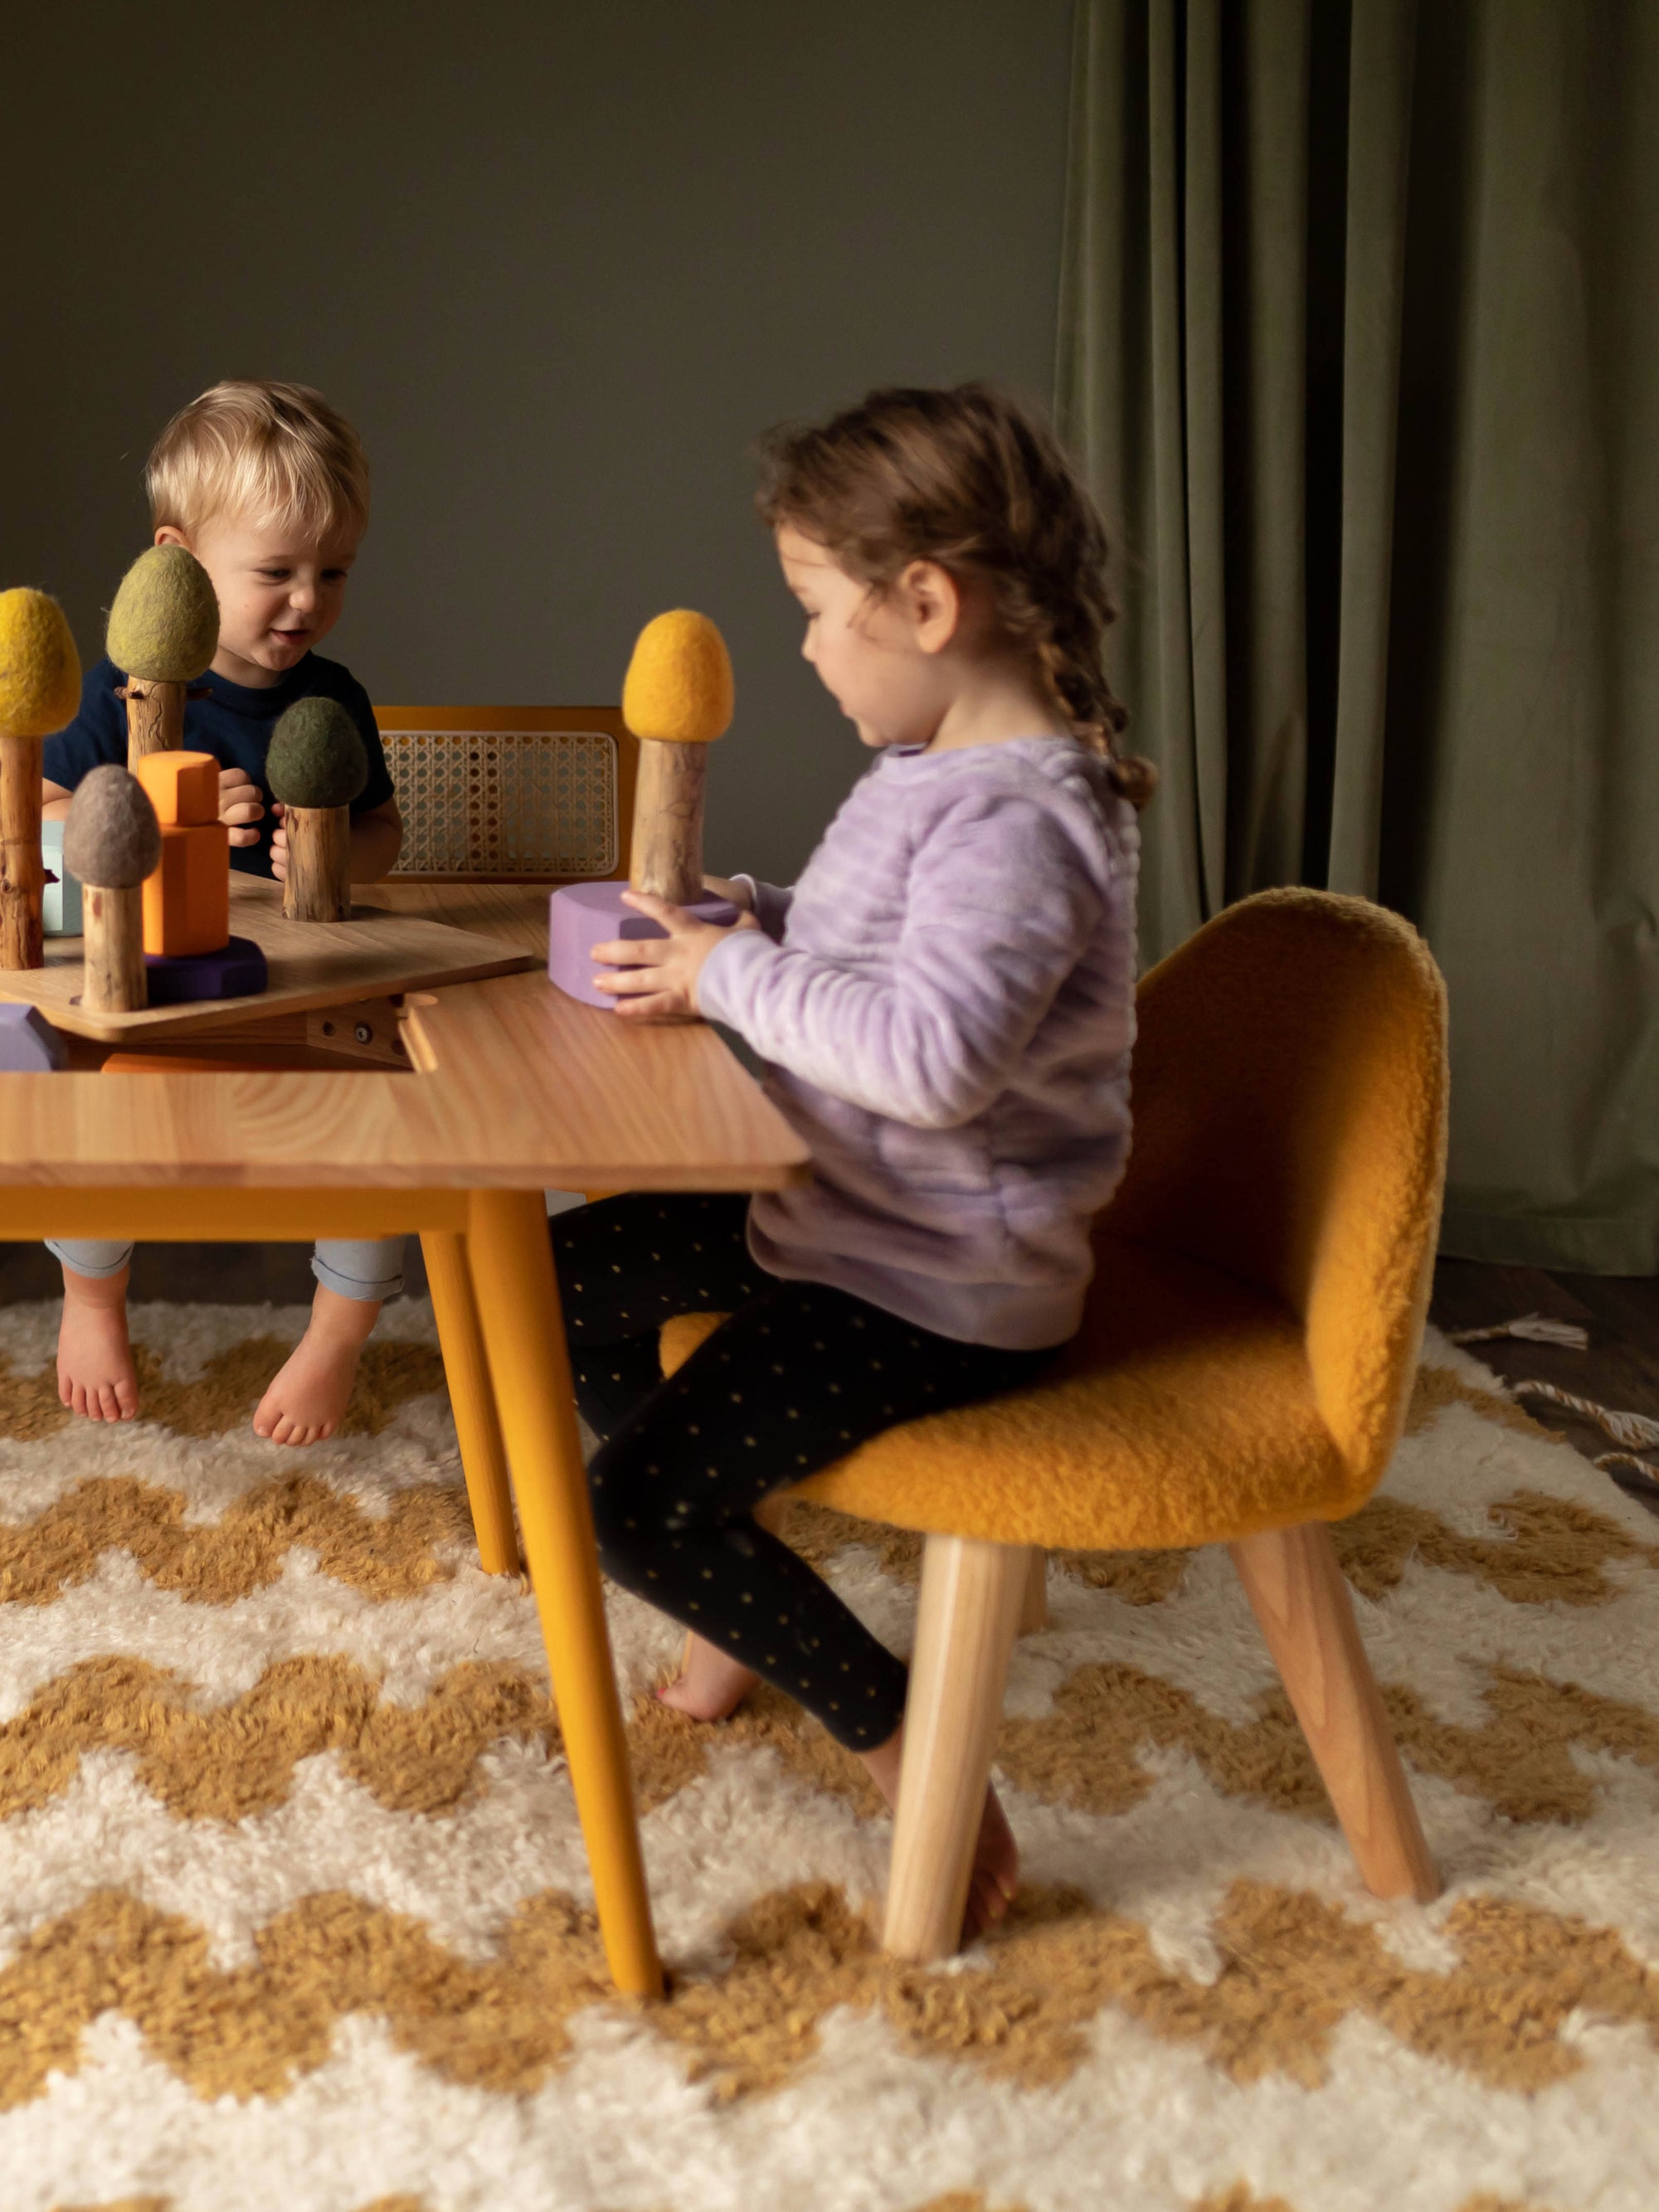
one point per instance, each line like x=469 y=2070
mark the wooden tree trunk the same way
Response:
x=22 y=871
x=667 y=855
x=112 y=925
x=155 y=719
x=318 y=885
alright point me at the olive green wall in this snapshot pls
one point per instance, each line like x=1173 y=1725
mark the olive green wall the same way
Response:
x=560 y=263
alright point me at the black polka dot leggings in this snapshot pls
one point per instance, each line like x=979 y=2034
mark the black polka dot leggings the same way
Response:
x=797 y=1376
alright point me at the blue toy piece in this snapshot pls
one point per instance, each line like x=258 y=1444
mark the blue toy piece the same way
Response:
x=236 y=970
x=28 y=1043
x=60 y=908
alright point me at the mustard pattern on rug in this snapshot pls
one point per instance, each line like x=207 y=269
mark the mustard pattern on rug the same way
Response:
x=294 y=1910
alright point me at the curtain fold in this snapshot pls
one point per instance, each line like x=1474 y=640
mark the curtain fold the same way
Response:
x=1359 y=347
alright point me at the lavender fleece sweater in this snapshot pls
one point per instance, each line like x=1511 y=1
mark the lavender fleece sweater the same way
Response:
x=945 y=1005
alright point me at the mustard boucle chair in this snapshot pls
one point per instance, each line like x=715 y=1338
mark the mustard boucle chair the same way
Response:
x=1241 y=1375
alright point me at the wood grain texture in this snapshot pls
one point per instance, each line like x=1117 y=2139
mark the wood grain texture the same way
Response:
x=155 y=719
x=22 y=871
x=376 y=952
x=1303 y=1608
x=1033 y=1602
x=668 y=810
x=319 y=884
x=969 y=1608
x=114 y=979
x=521 y=1088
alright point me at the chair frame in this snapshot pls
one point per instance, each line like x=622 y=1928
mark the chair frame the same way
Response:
x=489 y=720
x=978 y=1596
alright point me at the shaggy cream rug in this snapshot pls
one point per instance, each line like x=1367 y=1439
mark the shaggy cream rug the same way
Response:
x=295 y=1915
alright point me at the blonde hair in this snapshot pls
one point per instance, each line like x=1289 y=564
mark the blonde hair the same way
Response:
x=276 y=453
x=965 y=477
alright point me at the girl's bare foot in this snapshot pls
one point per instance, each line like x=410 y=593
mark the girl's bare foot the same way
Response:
x=95 y=1375
x=711 y=1684
x=994 y=1879
x=310 y=1393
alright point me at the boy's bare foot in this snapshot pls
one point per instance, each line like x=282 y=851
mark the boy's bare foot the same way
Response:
x=310 y=1393
x=994 y=1880
x=95 y=1375
x=711 y=1684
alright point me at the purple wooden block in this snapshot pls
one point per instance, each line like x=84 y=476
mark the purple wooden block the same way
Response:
x=583 y=915
x=236 y=970
x=28 y=1043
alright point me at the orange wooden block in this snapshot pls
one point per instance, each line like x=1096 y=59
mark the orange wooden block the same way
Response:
x=182 y=788
x=187 y=900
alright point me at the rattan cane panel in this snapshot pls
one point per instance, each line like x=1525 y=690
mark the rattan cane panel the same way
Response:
x=505 y=802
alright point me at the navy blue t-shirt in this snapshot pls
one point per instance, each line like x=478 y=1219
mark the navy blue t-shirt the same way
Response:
x=232 y=723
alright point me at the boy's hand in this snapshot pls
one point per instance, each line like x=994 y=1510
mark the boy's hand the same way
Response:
x=658 y=980
x=241 y=804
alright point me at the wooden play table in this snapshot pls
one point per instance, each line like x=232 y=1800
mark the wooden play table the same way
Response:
x=511 y=1089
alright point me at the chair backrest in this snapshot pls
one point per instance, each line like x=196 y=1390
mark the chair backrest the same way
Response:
x=511 y=794
x=1290 y=1081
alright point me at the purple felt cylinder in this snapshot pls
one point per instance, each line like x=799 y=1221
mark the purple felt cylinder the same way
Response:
x=28 y=1043
x=583 y=915
x=236 y=970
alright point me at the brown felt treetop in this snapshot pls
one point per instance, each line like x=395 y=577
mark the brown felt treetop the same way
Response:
x=112 y=839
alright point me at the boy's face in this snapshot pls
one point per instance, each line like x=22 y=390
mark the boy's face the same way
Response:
x=280 y=591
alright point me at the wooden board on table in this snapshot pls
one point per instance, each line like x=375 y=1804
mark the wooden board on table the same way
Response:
x=378 y=952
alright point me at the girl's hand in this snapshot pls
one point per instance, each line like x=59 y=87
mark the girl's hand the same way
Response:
x=725 y=887
x=241 y=804
x=658 y=977
x=278 y=844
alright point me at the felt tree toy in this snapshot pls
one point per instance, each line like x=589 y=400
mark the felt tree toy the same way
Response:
x=677 y=700
x=316 y=767
x=40 y=691
x=113 y=840
x=163 y=631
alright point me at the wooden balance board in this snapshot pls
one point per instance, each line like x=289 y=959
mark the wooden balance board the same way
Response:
x=313 y=963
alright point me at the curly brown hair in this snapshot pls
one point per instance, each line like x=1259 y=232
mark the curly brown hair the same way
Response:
x=965 y=477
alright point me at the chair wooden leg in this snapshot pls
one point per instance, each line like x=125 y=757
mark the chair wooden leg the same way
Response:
x=477 y=1430
x=971 y=1594
x=518 y=1296
x=1302 y=1605
x=1034 y=1605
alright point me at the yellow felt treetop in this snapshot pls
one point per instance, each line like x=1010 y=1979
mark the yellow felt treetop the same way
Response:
x=679 y=686
x=39 y=668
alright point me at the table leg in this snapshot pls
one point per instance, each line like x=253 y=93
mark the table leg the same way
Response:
x=511 y=1266
x=478 y=1430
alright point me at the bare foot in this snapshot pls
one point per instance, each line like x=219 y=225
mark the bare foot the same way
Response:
x=993 y=1879
x=309 y=1395
x=711 y=1685
x=95 y=1373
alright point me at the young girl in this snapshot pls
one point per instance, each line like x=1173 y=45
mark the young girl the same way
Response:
x=945 y=1002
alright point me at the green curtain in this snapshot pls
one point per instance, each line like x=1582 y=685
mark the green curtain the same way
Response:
x=1359 y=343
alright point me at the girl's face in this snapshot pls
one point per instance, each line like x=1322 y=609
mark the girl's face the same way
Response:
x=881 y=657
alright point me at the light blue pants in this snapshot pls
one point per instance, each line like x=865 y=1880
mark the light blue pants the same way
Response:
x=357 y=1268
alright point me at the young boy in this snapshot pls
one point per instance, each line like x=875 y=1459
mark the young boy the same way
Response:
x=267 y=487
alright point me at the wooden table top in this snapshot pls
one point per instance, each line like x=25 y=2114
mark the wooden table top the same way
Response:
x=514 y=1086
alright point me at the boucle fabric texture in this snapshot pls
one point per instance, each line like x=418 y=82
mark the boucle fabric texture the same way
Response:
x=164 y=623
x=678 y=687
x=39 y=668
x=1261 y=1272
x=294 y=1915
